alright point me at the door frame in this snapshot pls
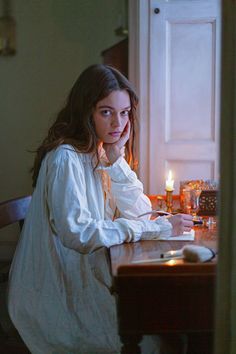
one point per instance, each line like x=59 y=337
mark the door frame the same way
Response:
x=138 y=53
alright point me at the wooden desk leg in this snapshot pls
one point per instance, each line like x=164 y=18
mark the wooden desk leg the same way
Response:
x=131 y=344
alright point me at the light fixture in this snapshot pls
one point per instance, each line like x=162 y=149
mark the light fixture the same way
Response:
x=7 y=30
x=122 y=29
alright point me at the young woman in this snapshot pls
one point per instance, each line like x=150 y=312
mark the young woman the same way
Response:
x=86 y=199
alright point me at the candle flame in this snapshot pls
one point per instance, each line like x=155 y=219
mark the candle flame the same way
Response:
x=170 y=175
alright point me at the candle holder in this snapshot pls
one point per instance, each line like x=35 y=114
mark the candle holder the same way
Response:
x=169 y=201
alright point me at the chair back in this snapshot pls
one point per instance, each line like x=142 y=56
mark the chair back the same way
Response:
x=11 y=211
x=14 y=210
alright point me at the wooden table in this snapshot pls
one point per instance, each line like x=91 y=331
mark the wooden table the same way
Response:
x=156 y=298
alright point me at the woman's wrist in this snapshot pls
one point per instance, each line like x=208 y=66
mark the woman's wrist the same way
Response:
x=113 y=154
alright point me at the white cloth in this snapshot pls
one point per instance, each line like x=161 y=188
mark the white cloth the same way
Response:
x=60 y=283
x=196 y=253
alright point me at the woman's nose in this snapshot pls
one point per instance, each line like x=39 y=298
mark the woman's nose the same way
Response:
x=116 y=121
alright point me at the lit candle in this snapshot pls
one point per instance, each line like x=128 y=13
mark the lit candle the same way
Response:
x=169 y=182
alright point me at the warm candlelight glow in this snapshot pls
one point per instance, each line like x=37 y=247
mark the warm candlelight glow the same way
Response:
x=170 y=182
x=171 y=262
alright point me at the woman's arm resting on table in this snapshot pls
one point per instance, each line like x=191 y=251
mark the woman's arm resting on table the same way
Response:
x=71 y=219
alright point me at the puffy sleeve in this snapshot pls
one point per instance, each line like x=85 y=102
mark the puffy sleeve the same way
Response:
x=127 y=190
x=71 y=219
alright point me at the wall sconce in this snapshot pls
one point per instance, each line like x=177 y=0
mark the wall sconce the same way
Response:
x=122 y=29
x=7 y=31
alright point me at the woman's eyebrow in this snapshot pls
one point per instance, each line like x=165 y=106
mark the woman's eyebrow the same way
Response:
x=122 y=109
x=106 y=107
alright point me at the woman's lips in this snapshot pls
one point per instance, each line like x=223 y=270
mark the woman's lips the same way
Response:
x=115 y=134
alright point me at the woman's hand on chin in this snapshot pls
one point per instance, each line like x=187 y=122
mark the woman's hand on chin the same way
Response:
x=114 y=151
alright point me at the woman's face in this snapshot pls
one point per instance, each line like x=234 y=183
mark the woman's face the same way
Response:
x=111 y=115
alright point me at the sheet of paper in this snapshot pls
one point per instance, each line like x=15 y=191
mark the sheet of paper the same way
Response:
x=187 y=236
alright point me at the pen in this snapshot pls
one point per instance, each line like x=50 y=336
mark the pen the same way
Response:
x=197 y=222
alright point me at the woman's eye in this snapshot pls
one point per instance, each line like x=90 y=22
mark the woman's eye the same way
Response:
x=125 y=113
x=106 y=113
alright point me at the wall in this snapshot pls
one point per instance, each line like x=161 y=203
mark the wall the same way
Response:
x=56 y=40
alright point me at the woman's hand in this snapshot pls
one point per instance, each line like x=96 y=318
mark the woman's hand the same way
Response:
x=180 y=223
x=113 y=151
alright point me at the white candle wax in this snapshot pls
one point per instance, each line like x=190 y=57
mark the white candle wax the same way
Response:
x=170 y=182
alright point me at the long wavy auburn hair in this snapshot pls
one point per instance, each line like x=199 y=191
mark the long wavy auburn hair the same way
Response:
x=74 y=124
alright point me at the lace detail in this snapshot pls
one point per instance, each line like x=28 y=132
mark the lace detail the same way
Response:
x=110 y=209
x=165 y=227
x=109 y=205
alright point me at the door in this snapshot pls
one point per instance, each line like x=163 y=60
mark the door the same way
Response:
x=179 y=130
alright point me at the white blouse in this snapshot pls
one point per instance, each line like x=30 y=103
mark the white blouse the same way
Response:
x=60 y=288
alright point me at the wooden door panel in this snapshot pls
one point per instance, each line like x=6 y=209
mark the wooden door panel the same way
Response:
x=179 y=79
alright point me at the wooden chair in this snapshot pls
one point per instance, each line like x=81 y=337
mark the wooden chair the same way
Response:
x=11 y=211
x=14 y=210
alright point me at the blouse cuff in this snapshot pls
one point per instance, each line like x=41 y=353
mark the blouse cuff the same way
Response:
x=165 y=227
x=163 y=231
x=119 y=171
